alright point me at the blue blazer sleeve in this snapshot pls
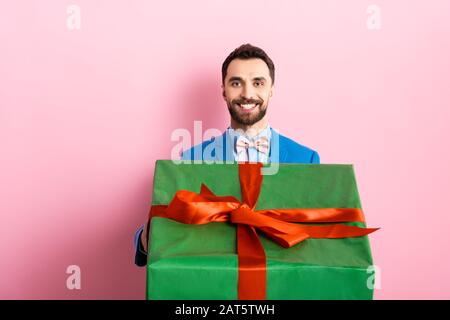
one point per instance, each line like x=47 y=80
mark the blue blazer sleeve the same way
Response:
x=140 y=256
x=186 y=155
x=315 y=158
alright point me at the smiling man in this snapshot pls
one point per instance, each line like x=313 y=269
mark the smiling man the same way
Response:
x=248 y=76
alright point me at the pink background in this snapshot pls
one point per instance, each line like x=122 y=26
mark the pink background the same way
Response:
x=84 y=114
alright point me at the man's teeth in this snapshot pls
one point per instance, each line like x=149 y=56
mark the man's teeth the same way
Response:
x=247 y=106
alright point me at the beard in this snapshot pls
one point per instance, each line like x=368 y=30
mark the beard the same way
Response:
x=247 y=118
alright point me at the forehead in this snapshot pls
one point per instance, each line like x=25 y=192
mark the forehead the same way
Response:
x=248 y=69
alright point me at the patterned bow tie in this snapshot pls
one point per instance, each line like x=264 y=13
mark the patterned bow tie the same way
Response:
x=260 y=144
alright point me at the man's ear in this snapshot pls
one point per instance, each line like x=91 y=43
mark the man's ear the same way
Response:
x=271 y=91
x=223 y=93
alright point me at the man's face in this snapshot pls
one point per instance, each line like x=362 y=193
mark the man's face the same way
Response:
x=247 y=89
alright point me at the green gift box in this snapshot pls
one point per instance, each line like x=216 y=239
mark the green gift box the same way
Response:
x=200 y=261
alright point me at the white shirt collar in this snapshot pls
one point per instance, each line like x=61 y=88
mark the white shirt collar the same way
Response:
x=263 y=133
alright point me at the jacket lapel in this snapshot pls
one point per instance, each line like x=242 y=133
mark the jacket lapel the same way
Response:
x=221 y=143
x=278 y=152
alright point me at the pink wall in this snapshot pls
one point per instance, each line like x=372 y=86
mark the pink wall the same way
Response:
x=85 y=113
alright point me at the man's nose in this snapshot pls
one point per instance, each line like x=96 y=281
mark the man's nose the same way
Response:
x=247 y=91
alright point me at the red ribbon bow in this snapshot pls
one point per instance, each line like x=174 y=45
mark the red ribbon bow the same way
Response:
x=205 y=207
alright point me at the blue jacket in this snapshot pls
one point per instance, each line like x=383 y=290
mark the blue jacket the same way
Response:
x=285 y=151
x=215 y=149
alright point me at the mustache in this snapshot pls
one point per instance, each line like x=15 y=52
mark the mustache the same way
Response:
x=247 y=101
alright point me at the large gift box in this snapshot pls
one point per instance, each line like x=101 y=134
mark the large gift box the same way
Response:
x=226 y=231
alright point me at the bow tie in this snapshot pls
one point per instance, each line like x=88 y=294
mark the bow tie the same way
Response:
x=260 y=144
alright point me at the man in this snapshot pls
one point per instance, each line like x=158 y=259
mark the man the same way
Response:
x=248 y=76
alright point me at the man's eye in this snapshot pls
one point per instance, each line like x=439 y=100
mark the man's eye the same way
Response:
x=234 y=84
x=258 y=84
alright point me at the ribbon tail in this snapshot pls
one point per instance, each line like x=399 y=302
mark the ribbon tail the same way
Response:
x=252 y=264
x=303 y=232
x=337 y=231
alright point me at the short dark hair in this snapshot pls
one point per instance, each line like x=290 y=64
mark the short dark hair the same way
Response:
x=245 y=52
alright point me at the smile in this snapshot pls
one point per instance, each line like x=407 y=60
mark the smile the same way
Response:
x=247 y=107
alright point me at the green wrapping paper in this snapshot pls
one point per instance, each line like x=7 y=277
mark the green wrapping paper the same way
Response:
x=200 y=261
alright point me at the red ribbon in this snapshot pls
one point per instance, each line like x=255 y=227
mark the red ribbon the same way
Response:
x=205 y=207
